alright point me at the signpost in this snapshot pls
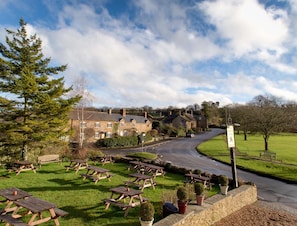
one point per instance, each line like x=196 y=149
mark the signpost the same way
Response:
x=231 y=146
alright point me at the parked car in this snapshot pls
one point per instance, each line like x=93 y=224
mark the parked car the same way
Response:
x=190 y=135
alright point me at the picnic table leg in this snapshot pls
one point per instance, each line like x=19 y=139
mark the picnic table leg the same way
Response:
x=97 y=177
x=53 y=215
x=77 y=168
x=107 y=204
x=32 y=219
x=19 y=170
x=126 y=211
x=108 y=176
x=152 y=183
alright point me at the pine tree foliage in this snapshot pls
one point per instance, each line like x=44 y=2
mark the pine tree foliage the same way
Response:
x=34 y=108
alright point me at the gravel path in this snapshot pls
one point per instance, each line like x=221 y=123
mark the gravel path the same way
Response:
x=261 y=214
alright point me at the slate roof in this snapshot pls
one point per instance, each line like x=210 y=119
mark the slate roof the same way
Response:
x=104 y=116
x=186 y=117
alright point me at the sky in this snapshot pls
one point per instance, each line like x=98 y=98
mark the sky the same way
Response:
x=160 y=53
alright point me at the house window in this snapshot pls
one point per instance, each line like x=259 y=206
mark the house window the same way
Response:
x=133 y=122
x=83 y=124
x=109 y=125
x=97 y=135
x=108 y=134
x=97 y=124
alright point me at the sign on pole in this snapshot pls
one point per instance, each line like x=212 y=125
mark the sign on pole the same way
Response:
x=230 y=136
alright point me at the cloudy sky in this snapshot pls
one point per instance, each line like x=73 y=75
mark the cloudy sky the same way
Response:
x=160 y=53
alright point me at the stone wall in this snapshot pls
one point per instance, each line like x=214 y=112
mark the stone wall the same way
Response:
x=214 y=209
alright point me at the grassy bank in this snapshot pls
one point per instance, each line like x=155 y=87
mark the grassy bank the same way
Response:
x=248 y=155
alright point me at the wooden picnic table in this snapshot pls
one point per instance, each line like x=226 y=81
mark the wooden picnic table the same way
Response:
x=96 y=173
x=141 y=181
x=37 y=207
x=20 y=166
x=103 y=159
x=192 y=178
x=77 y=164
x=143 y=167
x=134 y=196
x=10 y=195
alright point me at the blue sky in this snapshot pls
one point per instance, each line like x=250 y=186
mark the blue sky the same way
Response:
x=160 y=53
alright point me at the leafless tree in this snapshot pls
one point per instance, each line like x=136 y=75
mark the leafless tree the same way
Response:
x=79 y=88
x=269 y=116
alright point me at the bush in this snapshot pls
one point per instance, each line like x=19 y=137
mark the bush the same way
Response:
x=182 y=194
x=223 y=180
x=199 y=188
x=146 y=211
x=118 y=142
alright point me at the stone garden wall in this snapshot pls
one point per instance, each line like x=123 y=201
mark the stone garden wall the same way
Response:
x=214 y=209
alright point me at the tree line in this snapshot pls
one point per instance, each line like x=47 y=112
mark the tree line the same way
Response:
x=266 y=115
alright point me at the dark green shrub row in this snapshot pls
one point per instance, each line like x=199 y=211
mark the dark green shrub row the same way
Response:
x=118 y=142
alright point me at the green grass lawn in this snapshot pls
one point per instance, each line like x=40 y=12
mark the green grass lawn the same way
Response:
x=284 y=145
x=83 y=199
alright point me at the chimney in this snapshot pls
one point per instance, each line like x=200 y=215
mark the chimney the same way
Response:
x=124 y=112
x=110 y=111
x=145 y=114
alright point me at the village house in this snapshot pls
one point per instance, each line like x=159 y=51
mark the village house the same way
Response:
x=186 y=121
x=94 y=125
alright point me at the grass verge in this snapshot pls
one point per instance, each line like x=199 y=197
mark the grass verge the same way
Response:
x=248 y=154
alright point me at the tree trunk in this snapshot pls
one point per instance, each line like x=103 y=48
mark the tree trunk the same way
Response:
x=245 y=135
x=266 y=143
x=24 y=152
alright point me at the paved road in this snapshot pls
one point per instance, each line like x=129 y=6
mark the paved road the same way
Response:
x=182 y=152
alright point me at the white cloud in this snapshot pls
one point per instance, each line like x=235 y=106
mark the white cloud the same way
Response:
x=247 y=26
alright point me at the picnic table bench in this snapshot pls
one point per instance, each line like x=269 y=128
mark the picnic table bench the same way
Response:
x=20 y=166
x=116 y=203
x=103 y=159
x=21 y=203
x=77 y=164
x=36 y=207
x=141 y=181
x=124 y=193
x=142 y=167
x=268 y=154
x=59 y=213
x=193 y=178
x=10 y=220
x=43 y=159
x=96 y=173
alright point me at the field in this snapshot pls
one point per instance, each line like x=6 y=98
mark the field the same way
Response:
x=83 y=199
x=248 y=154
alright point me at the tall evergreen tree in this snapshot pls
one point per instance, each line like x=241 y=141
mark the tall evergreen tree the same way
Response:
x=34 y=108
